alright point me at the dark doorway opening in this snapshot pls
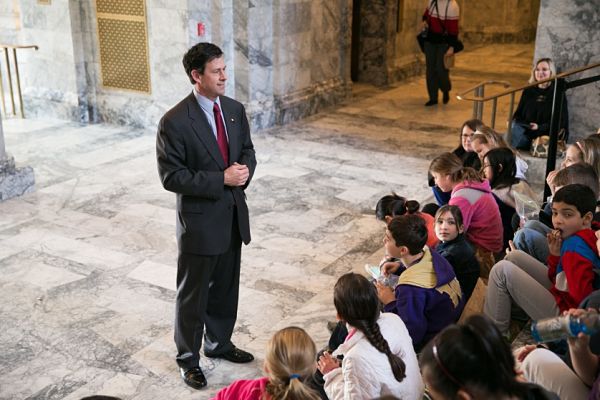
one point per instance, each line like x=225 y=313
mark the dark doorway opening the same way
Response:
x=355 y=42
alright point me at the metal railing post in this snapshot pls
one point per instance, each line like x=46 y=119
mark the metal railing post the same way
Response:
x=554 y=123
x=18 y=83
x=2 y=92
x=494 y=104
x=10 y=85
x=481 y=94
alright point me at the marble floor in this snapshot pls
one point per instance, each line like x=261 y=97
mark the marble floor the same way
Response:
x=87 y=261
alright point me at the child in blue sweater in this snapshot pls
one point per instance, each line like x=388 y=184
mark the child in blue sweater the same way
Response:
x=428 y=296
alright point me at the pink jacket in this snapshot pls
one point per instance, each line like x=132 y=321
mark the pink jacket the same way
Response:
x=481 y=216
x=243 y=389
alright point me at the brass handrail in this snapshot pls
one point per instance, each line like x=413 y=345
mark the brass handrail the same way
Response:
x=14 y=48
x=461 y=96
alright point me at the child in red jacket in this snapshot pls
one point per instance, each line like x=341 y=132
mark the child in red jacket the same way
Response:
x=289 y=362
x=542 y=291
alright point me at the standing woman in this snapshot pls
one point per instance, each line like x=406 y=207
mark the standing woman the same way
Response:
x=532 y=118
x=441 y=19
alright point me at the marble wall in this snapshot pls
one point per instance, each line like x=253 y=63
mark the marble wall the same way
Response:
x=287 y=58
x=498 y=21
x=48 y=76
x=568 y=33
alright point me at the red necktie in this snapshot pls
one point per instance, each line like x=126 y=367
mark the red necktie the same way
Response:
x=221 y=135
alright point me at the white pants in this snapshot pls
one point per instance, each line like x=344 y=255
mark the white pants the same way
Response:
x=545 y=368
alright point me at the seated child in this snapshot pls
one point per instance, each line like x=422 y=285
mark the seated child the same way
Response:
x=378 y=358
x=289 y=362
x=392 y=205
x=473 y=361
x=548 y=370
x=532 y=237
x=542 y=291
x=499 y=169
x=428 y=295
x=455 y=248
x=473 y=195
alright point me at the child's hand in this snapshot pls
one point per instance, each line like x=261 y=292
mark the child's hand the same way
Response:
x=385 y=293
x=389 y=267
x=327 y=363
x=511 y=247
x=554 y=242
x=580 y=343
x=524 y=351
x=549 y=180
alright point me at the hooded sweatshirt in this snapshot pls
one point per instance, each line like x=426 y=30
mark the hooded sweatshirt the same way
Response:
x=428 y=297
x=572 y=274
x=481 y=216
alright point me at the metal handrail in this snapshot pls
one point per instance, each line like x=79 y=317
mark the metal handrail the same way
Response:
x=558 y=97
x=14 y=48
x=479 y=89
x=461 y=96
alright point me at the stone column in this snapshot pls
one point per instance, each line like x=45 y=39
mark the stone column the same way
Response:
x=2 y=147
x=567 y=32
x=13 y=181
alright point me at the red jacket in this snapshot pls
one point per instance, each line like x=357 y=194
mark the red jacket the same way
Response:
x=572 y=274
x=243 y=390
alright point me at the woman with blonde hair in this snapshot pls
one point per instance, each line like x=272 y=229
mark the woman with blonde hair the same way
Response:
x=486 y=139
x=289 y=363
x=473 y=195
x=532 y=117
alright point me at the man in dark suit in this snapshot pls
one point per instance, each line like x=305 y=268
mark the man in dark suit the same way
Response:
x=206 y=156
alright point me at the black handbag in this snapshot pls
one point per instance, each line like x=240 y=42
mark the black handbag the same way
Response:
x=421 y=38
x=458 y=46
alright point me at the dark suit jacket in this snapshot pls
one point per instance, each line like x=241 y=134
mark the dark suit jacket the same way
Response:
x=190 y=164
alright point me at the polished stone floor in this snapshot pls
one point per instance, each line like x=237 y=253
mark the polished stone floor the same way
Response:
x=87 y=261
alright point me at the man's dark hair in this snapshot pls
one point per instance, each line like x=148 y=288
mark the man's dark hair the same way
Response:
x=578 y=195
x=198 y=56
x=409 y=230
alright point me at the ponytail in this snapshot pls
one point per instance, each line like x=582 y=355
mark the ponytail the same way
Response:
x=290 y=389
x=289 y=362
x=450 y=164
x=374 y=336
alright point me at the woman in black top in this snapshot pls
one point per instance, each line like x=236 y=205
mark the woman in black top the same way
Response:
x=532 y=118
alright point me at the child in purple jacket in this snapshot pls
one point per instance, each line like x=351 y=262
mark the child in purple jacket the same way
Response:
x=428 y=296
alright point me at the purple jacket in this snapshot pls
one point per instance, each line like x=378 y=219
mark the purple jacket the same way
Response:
x=428 y=298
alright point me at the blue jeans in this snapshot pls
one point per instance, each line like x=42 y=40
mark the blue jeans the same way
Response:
x=442 y=198
x=519 y=139
x=532 y=240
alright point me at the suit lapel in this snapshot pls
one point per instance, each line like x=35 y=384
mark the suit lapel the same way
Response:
x=203 y=131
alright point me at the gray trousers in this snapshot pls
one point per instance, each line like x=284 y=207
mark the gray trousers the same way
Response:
x=521 y=279
x=437 y=76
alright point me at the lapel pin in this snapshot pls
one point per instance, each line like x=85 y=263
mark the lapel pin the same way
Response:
x=232 y=120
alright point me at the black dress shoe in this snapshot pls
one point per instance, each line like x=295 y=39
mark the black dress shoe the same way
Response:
x=234 y=355
x=193 y=377
x=446 y=98
x=431 y=103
